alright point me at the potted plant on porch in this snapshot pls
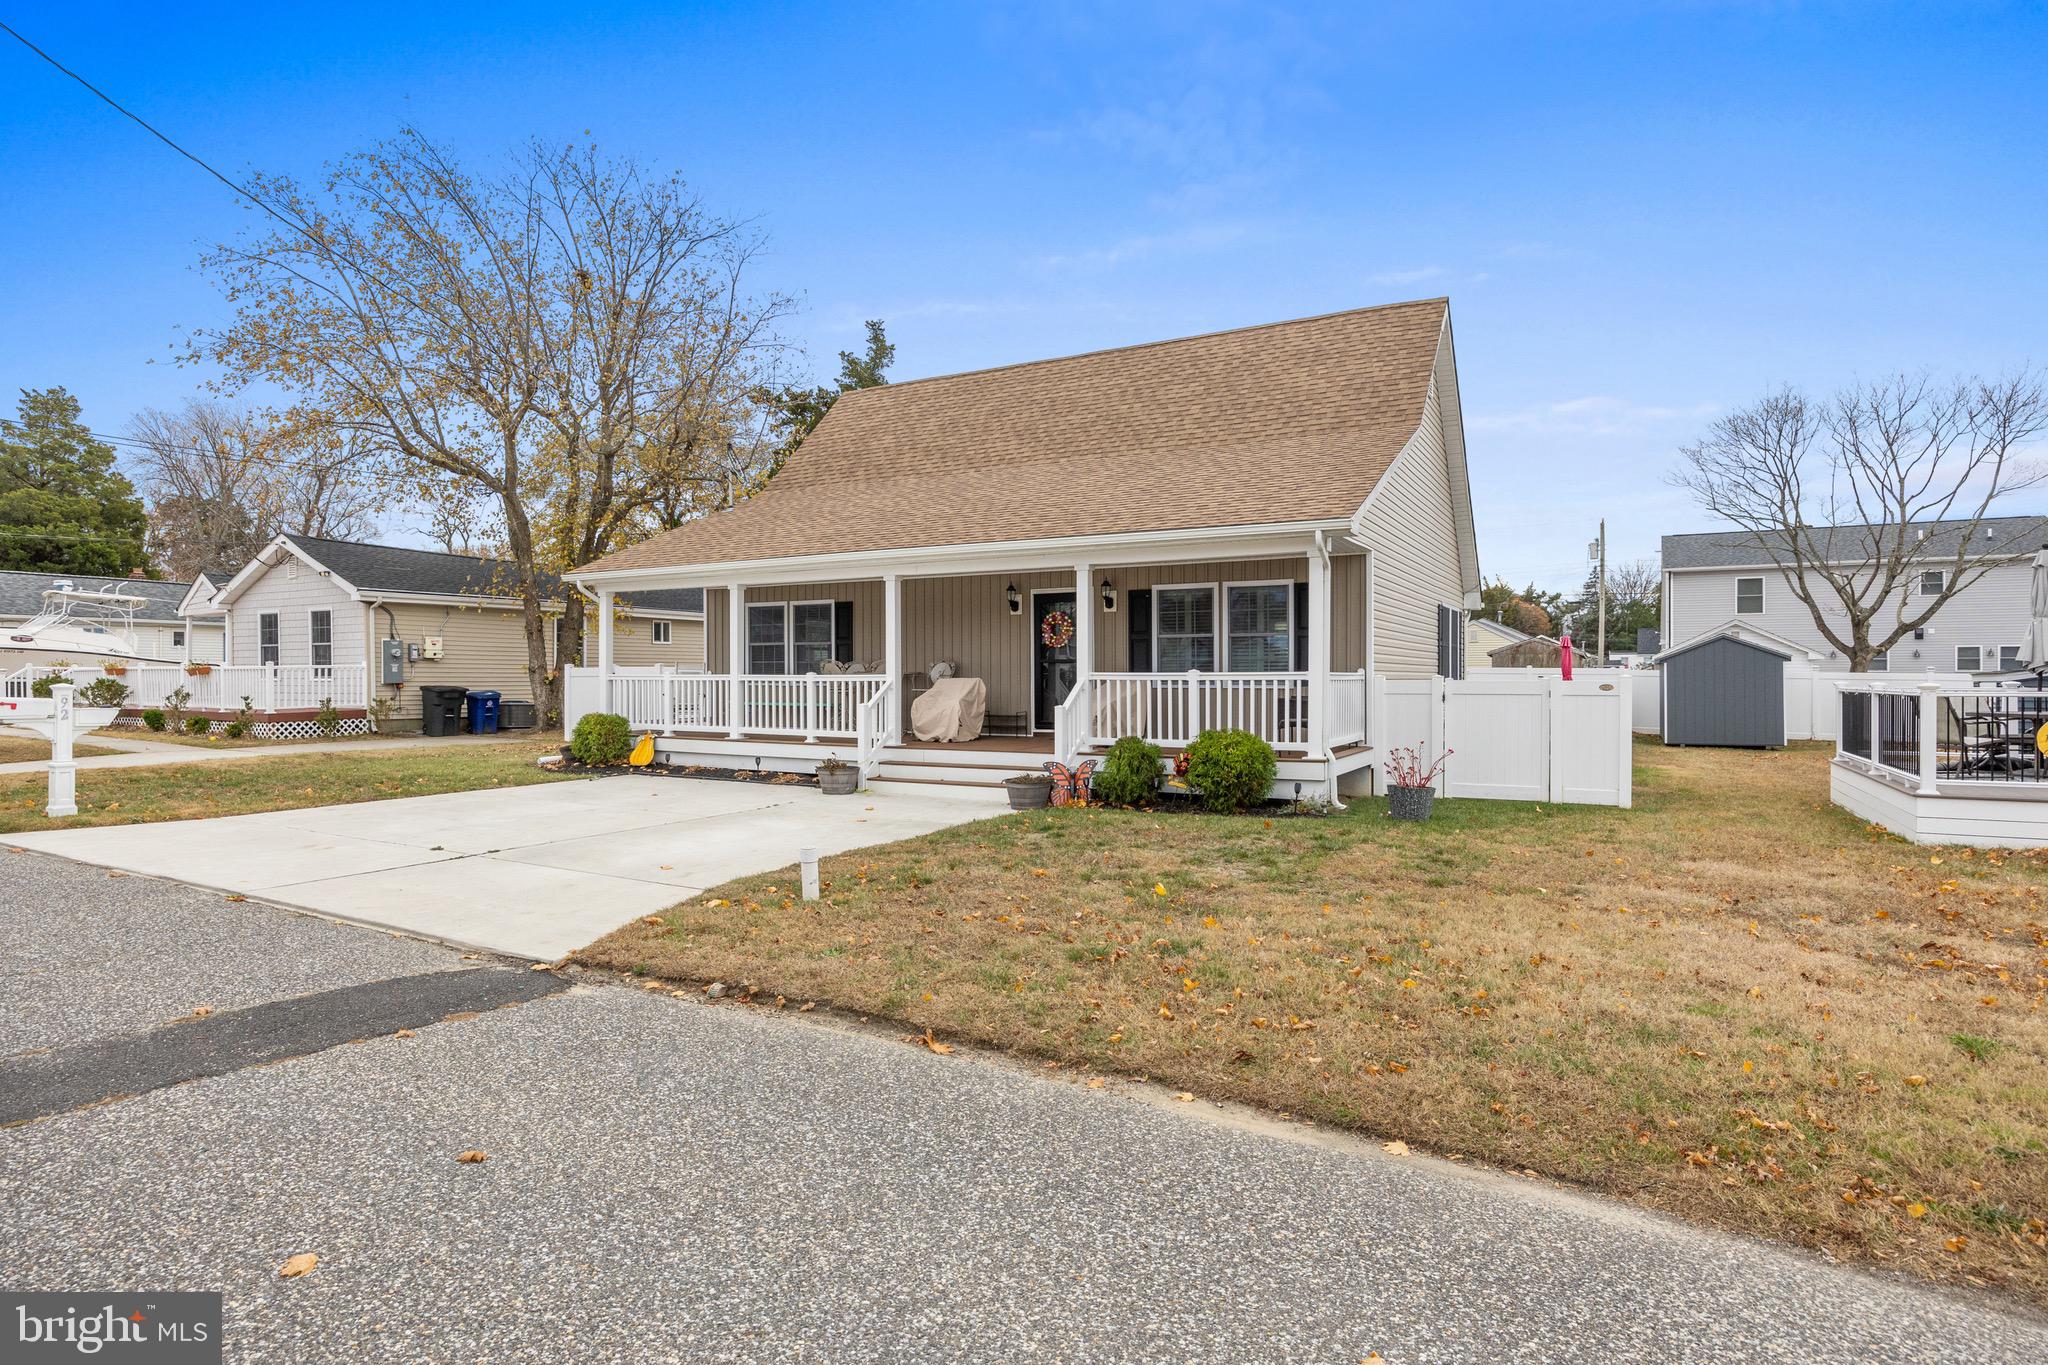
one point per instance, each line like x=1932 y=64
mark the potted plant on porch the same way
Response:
x=837 y=777
x=1411 y=785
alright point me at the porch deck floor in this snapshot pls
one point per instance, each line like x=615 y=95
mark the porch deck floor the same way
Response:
x=993 y=744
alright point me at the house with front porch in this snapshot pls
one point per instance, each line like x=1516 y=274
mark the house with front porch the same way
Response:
x=1246 y=529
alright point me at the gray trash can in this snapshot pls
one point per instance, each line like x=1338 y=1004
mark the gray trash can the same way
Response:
x=441 y=709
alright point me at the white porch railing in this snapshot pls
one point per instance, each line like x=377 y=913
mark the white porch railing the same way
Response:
x=268 y=687
x=872 y=729
x=1070 y=724
x=1349 y=693
x=805 y=706
x=1986 y=734
x=1172 y=708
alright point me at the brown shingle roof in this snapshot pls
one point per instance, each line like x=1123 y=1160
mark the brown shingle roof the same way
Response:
x=1292 y=421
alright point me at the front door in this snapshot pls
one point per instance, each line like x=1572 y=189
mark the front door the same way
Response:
x=1052 y=667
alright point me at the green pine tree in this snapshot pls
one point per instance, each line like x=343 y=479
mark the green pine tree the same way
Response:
x=64 y=507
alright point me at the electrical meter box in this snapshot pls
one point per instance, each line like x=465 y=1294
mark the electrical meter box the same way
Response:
x=392 y=660
x=430 y=648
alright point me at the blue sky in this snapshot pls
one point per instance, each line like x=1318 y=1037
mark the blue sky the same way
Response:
x=1643 y=213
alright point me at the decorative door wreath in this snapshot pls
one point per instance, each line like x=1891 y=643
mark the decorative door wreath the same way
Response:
x=1057 y=629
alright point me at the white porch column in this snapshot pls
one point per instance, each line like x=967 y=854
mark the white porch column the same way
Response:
x=735 y=659
x=604 y=651
x=892 y=654
x=1084 y=625
x=1318 y=647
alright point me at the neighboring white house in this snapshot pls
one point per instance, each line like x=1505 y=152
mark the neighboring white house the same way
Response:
x=346 y=621
x=1244 y=529
x=1716 y=579
x=205 y=619
x=160 y=630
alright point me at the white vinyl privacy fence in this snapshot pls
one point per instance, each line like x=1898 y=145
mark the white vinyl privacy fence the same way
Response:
x=1521 y=734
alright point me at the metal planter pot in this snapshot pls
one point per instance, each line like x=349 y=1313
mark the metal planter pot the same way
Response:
x=838 y=781
x=1410 y=803
x=1028 y=793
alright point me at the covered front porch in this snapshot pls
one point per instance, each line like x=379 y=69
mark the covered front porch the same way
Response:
x=1271 y=636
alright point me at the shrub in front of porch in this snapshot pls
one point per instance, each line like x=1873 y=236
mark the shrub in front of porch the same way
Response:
x=1231 y=769
x=601 y=739
x=1129 y=775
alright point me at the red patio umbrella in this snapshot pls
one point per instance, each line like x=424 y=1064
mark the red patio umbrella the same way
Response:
x=1564 y=655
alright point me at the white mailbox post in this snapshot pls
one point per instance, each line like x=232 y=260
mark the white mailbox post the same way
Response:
x=63 y=770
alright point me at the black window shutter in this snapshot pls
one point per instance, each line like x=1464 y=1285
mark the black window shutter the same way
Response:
x=1445 y=664
x=842 y=632
x=1138 y=602
x=1301 y=627
x=1458 y=634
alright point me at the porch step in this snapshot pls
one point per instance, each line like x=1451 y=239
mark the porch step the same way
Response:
x=992 y=785
x=975 y=774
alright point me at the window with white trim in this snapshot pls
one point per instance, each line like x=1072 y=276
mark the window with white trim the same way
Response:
x=177 y=639
x=768 y=638
x=322 y=633
x=1184 y=629
x=1932 y=582
x=1969 y=658
x=810 y=635
x=1749 y=596
x=1259 y=627
x=266 y=638
x=1881 y=662
x=2008 y=658
x=661 y=632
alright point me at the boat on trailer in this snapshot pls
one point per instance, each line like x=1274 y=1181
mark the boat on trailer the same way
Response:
x=79 y=627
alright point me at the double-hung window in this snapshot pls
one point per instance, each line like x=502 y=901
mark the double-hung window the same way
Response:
x=810 y=635
x=322 y=629
x=1881 y=662
x=768 y=638
x=2008 y=658
x=1749 y=596
x=266 y=638
x=661 y=632
x=1259 y=622
x=1969 y=658
x=1184 y=629
x=1932 y=581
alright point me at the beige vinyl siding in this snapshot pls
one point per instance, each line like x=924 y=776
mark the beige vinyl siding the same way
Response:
x=633 y=644
x=294 y=599
x=209 y=643
x=1990 y=612
x=1414 y=537
x=966 y=621
x=483 y=647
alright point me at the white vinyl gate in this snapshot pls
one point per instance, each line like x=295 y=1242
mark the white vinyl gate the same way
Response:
x=1521 y=734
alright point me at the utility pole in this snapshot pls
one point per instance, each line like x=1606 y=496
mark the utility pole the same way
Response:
x=1597 y=552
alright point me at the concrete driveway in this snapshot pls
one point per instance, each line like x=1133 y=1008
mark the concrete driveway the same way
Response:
x=532 y=872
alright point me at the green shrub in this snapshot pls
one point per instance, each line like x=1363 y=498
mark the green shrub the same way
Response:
x=40 y=686
x=328 y=721
x=154 y=719
x=1232 y=769
x=1129 y=774
x=198 y=725
x=601 y=738
x=235 y=728
x=103 y=692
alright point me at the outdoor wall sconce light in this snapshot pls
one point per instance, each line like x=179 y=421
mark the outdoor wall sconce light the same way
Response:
x=1108 y=596
x=1015 y=599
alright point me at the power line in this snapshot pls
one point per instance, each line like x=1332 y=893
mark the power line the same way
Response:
x=150 y=128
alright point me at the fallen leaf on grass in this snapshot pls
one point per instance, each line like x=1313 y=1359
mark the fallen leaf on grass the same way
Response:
x=654 y=922
x=298 y=1265
x=1916 y=1080
x=1184 y=1097
x=1916 y=1210
x=1396 y=1148
x=932 y=1044
x=472 y=1157
x=1956 y=1243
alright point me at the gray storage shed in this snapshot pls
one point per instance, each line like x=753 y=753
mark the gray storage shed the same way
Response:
x=1725 y=692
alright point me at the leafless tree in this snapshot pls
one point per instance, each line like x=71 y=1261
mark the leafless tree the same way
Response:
x=530 y=336
x=1841 y=495
x=1635 y=583
x=220 y=481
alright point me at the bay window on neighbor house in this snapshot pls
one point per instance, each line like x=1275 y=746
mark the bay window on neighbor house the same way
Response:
x=1749 y=596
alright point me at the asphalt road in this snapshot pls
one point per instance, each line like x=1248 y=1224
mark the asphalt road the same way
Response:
x=671 y=1180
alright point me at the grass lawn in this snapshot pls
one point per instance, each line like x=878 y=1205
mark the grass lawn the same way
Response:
x=29 y=749
x=217 y=740
x=1734 y=1002
x=190 y=791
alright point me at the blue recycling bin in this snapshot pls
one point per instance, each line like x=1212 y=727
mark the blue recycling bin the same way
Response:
x=483 y=713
